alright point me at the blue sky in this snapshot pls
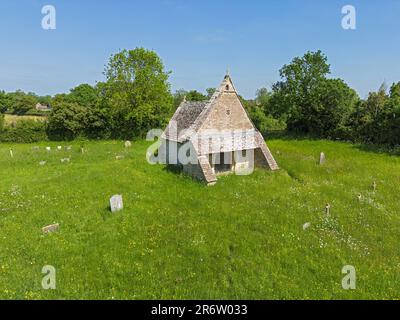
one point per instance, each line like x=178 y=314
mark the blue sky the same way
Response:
x=197 y=40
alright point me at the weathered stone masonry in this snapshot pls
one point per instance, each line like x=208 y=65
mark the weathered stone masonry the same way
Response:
x=218 y=135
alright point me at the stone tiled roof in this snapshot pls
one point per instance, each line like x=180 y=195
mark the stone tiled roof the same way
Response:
x=190 y=115
x=184 y=117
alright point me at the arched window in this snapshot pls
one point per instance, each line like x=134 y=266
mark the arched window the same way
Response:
x=227 y=87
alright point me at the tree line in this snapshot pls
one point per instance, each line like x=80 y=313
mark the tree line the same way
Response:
x=136 y=97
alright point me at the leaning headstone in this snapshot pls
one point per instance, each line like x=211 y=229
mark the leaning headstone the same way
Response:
x=116 y=203
x=128 y=144
x=42 y=163
x=322 y=158
x=11 y=153
x=51 y=228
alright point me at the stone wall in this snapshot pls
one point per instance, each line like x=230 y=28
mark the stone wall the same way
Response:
x=227 y=114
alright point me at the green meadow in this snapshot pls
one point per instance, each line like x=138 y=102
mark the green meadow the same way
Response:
x=178 y=239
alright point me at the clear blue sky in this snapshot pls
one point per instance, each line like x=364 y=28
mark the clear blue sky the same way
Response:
x=197 y=40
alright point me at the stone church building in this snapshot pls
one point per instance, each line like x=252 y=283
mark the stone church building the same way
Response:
x=214 y=137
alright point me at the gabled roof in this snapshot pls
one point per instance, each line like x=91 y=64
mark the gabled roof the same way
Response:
x=190 y=115
x=183 y=119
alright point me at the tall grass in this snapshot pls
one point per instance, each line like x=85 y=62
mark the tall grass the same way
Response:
x=177 y=238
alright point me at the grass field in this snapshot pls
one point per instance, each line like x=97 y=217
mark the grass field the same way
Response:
x=13 y=119
x=176 y=238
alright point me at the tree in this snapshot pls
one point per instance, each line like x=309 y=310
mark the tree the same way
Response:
x=333 y=104
x=23 y=102
x=210 y=92
x=84 y=95
x=67 y=121
x=138 y=92
x=179 y=95
x=4 y=102
x=1 y=121
x=194 y=95
x=262 y=97
x=377 y=119
x=310 y=101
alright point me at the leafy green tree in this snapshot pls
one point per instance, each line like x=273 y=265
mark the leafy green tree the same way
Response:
x=377 y=119
x=178 y=97
x=263 y=97
x=333 y=103
x=210 y=92
x=4 y=101
x=310 y=101
x=23 y=103
x=194 y=95
x=45 y=100
x=84 y=95
x=67 y=121
x=137 y=92
x=1 y=121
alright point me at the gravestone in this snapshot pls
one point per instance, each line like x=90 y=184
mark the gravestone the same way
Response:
x=65 y=160
x=68 y=148
x=116 y=203
x=51 y=228
x=327 y=209
x=119 y=157
x=322 y=158
x=42 y=163
x=128 y=144
x=48 y=148
x=11 y=153
x=59 y=148
x=35 y=148
x=306 y=225
x=374 y=186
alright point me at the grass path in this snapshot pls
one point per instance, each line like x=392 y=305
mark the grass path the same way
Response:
x=176 y=238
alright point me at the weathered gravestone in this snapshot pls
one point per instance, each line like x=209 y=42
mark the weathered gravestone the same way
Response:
x=322 y=158
x=42 y=163
x=128 y=144
x=119 y=157
x=67 y=160
x=327 y=209
x=48 y=148
x=116 y=203
x=306 y=226
x=51 y=228
x=59 y=148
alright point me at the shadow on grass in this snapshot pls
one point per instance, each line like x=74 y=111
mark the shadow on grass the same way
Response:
x=290 y=136
x=380 y=149
x=176 y=169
